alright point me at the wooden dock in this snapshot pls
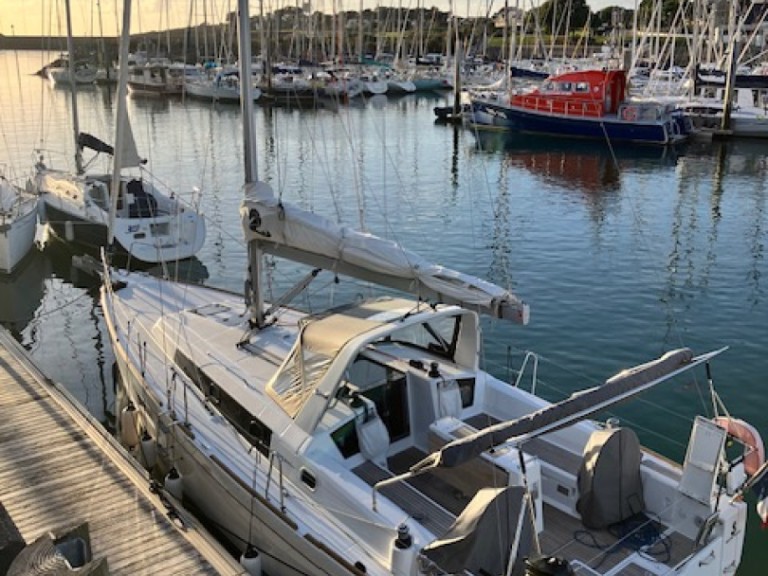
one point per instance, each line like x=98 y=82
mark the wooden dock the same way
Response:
x=59 y=468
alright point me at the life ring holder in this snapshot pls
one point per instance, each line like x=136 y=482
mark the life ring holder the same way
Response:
x=629 y=113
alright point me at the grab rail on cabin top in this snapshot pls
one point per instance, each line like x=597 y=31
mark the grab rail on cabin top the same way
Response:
x=555 y=106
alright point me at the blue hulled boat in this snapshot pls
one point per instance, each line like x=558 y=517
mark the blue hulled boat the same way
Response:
x=583 y=104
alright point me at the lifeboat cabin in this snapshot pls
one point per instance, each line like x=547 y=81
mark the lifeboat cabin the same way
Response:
x=591 y=93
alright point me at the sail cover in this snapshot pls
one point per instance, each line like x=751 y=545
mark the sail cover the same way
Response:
x=290 y=232
x=623 y=385
x=85 y=140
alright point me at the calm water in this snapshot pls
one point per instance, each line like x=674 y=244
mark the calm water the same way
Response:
x=621 y=256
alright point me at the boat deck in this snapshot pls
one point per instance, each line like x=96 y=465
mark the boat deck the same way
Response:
x=60 y=469
x=433 y=500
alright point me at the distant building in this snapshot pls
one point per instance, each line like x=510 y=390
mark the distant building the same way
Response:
x=513 y=17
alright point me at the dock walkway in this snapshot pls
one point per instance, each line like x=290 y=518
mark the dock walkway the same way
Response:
x=59 y=468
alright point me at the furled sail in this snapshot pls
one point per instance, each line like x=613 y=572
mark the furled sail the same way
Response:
x=579 y=406
x=290 y=232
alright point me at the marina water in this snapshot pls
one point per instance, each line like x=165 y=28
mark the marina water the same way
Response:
x=622 y=253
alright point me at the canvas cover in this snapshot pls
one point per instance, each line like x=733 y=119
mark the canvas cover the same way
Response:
x=494 y=524
x=610 y=487
x=287 y=231
x=579 y=406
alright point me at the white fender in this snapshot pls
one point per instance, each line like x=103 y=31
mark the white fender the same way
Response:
x=762 y=510
x=251 y=561
x=129 y=434
x=174 y=483
x=148 y=450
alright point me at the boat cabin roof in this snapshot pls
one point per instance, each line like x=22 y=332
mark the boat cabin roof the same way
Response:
x=314 y=370
x=587 y=84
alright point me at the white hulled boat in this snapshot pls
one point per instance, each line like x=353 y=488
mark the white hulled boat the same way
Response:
x=150 y=225
x=69 y=73
x=223 y=86
x=18 y=222
x=368 y=440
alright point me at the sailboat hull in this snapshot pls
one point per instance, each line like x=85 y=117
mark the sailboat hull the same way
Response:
x=238 y=512
x=493 y=115
x=73 y=228
x=154 y=230
x=17 y=234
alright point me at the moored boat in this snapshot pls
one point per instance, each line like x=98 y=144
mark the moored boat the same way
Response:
x=125 y=209
x=18 y=222
x=583 y=104
x=224 y=86
x=368 y=439
x=81 y=73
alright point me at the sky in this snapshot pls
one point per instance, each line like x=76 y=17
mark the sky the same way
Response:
x=47 y=17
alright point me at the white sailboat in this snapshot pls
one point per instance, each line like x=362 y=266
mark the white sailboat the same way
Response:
x=69 y=73
x=150 y=225
x=18 y=222
x=223 y=86
x=368 y=440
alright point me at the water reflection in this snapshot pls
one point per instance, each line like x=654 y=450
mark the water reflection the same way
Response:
x=733 y=175
x=61 y=325
x=66 y=262
x=589 y=165
x=22 y=292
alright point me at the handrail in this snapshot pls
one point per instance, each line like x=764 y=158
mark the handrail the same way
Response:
x=272 y=457
x=534 y=379
x=551 y=105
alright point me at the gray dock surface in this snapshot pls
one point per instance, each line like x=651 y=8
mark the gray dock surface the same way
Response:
x=59 y=468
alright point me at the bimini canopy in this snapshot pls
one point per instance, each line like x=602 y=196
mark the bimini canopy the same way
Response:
x=289 y=232
x=323 y=343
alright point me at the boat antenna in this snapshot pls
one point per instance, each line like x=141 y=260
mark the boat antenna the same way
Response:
x=73 y=88
x=254 y=295
x=120 y=119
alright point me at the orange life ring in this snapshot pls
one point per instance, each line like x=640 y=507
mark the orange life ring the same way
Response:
x=754 y=451
x=629 y=113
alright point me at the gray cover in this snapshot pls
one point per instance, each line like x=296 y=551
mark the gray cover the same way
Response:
x=610 y=488
x=579 y=406
x=496 y=522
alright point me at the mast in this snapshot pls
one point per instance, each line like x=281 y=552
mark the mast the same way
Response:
x=121 y=120
x=360 y=48
x=71 y=65
x=253 y=284
x=732 y=62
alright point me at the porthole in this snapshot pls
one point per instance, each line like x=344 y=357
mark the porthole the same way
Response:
x=308 y=478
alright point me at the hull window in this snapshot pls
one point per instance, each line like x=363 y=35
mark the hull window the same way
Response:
x=250 y=427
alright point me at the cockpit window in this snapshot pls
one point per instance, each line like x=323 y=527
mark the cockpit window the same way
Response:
x=438 y=336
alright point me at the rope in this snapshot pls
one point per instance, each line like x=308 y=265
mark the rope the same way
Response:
x=45 y=313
